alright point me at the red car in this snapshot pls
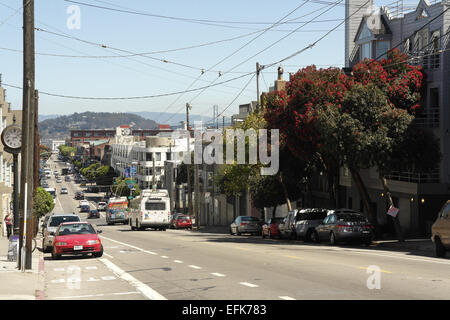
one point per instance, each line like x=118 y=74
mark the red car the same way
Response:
x=270 y=229
x=76 y=238
x=183 y=222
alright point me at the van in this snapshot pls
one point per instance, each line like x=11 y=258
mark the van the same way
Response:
x=440 y=231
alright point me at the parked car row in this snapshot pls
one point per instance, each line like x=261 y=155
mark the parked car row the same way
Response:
x=310 y=224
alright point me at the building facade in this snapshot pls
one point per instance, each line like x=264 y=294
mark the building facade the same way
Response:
x=6 y=159
x=421 y=33
x=86 y=136
x=145 y=160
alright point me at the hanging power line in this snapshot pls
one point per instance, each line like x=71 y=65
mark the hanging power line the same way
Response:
x=128 y=98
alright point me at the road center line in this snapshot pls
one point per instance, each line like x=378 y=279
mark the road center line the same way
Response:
x=141 y=287
x=177 y=261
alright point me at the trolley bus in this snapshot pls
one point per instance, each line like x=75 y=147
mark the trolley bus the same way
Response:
x=150 y=210
x=117 y=211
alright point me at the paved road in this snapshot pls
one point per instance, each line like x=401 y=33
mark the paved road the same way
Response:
x=180 y=264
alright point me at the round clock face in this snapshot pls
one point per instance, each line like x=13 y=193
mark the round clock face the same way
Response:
x=12 y=137
x=127 y=131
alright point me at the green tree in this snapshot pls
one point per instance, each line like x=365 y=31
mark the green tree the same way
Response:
x=120 y=189
x=105 y=176
x=43 y=203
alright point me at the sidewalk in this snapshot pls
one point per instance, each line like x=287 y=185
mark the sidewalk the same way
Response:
x=17 y=285
x=409 y=244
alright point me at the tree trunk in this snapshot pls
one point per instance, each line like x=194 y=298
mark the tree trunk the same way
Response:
x=286 y=195
x=398 y=229
x=364 y=195
x=311 y=196
x=274 y=211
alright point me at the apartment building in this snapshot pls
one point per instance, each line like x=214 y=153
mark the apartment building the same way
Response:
x=6 y=159
x=421 y=33
x=145 y=160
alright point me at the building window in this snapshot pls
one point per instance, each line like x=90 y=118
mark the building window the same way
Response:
x=382 y=49
x=158 y=156
x=149 y=156
x=87 y=134
x=366 y=50
x=168 y=156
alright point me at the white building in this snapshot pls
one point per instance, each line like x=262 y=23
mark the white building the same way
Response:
x=57 y=143
x=144 y=160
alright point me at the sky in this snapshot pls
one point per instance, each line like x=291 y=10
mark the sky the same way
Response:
x=163 y=26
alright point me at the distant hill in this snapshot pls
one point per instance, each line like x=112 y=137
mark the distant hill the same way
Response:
x=175 y=118
x=43 y=117
x=59 y=128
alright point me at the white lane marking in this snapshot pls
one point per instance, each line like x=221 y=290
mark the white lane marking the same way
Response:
x=141 y=287
x=91 y=268
x=98 y=295
x=177 y=261
x=286 y=298
x=58 y=281
x=91 y=279
x=58 y=269
x=218 y=274
x=128 y=245
x=194 y=267
x=251 y=285
x=106 y=278
x=108 y=255
x=165 y=257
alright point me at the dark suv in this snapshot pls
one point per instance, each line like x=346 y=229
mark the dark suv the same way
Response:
x=79 y=195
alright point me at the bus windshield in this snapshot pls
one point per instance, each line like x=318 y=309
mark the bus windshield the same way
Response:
x=155 y=206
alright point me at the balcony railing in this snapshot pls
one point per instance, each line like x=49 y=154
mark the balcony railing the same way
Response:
x=428 y=117
x=428 y=59
x=432 y=177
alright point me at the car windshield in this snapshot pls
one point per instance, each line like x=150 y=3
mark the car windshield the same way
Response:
x=351 y=217
x=81 y=228
x=254 y=219
x=56 y=221
x=312 y=214
x=183 y=218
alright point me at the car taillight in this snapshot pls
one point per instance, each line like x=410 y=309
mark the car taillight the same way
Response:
x=243 y=223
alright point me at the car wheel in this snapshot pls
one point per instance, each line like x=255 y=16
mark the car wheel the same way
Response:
x=309 y=236
x=98 y=254
x=440 y=249
x=237 y=232
x=231 y=231
x=332 y=239
x=270 y=235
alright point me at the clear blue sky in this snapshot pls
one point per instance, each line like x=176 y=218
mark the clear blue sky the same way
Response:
x=121 y=77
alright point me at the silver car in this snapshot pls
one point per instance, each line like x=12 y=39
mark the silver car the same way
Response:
x=52 y=224
x=344 y=226
x=307 y=220
x=245 y=224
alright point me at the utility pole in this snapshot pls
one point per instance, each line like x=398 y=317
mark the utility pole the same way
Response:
x=27 y=154
x=36 y=155
x=223 y=123
x=197 y=196
x=188 y=107
x=258 y=69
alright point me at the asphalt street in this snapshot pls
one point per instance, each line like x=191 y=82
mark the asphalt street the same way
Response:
x=193 y=265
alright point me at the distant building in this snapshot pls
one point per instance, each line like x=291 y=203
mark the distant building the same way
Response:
x=79 y=136
x=144 y=160
x=57 y=143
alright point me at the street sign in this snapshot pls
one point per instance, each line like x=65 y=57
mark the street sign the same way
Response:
x=130 y=197
x=130 y=186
